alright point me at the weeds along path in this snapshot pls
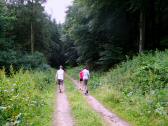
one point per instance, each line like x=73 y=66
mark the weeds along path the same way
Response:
x=110 y=118
x=62 y=114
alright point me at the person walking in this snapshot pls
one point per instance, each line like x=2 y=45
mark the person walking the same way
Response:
x=86 y=77
x=81 y=80
x=59 y=78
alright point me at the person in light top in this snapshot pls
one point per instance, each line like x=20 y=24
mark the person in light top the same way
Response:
x=59 y=78
x=86 y=77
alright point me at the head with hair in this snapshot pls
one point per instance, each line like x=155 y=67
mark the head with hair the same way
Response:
x=86 y=67
x=61 y=67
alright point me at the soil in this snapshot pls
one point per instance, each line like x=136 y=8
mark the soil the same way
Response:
x=62 y=114
x=63 y=117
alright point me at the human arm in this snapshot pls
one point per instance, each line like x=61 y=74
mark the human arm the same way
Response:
x=56 y=76
x=64 y=74
x=88 y=75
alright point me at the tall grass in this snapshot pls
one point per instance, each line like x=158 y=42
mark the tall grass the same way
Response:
x=137 y=89
x=26 y=98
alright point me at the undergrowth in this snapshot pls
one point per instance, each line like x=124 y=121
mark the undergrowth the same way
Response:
x=25 y=96
x=137 y=90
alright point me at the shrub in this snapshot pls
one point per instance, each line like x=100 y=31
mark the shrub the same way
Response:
x=19 y=59
x=140 y=88
x=136 y=89
x=22 y=96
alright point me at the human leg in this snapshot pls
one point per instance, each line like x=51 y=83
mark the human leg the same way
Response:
x=61 y=85
x=81 y=84
x=85 y=86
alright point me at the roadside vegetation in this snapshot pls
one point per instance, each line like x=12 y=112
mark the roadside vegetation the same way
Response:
x=82 y=113
x=136 y=90
x=26 y=98
x=99 y=33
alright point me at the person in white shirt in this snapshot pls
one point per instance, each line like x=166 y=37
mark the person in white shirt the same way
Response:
x=86 y=77
x=59 y=78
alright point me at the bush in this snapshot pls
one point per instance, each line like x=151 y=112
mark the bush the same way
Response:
x=19 y=59
x=137 y=88
x=32 y=60
x=23 y=97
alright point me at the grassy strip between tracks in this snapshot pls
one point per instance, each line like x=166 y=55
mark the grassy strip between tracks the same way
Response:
x=82 y=113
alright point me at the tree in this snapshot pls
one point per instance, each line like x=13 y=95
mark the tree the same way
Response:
x=105 y=31
x=26 y=29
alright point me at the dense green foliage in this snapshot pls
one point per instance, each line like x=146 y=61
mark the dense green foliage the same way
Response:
x=98 y=33
x=105 y=31
x=17 y=60
x=25 y=96
x=25 y=29
x=136 y=89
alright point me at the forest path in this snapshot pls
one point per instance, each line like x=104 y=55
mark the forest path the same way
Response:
x=110 y=118
x=62 y=114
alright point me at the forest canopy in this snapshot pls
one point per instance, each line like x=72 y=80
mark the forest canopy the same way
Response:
x=105 y=31
x=28 y=36
x=98 y=33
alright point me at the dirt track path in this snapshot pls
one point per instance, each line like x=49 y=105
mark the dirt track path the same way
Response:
x=62 y=114
x=110 y=118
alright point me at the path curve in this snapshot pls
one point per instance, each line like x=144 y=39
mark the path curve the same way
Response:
x=62 y=114
x=110 y=118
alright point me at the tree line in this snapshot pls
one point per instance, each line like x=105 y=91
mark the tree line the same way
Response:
x=99 y=33
x=102 y=32
x=28 y=35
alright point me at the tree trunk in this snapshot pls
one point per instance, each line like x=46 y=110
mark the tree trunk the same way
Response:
x=32 y=30
x=32 y=38
x=142 y=31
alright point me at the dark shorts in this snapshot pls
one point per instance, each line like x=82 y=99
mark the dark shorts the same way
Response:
x=85 y=82
x=81 y=79
x=60 y=82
